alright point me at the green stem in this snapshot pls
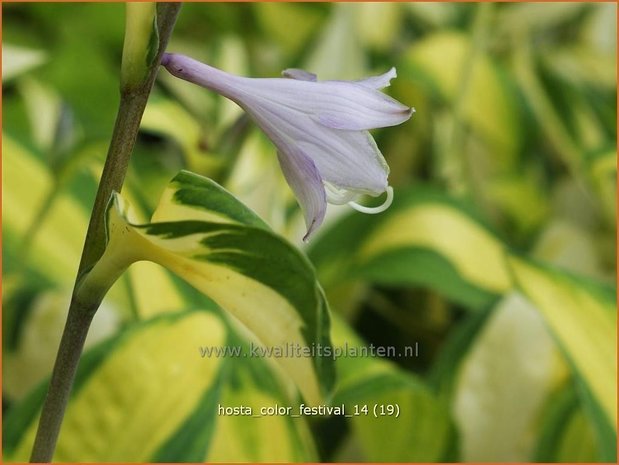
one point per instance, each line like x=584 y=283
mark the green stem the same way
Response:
x=67 y=360
x=132 y=103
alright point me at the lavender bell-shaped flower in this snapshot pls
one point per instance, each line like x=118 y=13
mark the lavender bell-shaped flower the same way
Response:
x=320 y=129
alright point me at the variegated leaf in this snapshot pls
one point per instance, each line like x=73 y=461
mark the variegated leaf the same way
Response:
x=204 y=235
x=157 y=400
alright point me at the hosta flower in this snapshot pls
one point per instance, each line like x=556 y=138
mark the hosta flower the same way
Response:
x=320 y=129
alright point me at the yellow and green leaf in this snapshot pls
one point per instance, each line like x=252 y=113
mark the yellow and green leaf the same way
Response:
x=152 y=373
x=413 y=243
x=422 y=432
x=56 y=243
x=168 y=118
x=158 y=399
x=512 y=357
x=582 y=317
x=204 y=235
x=489 y=104
x=566 y=433
x=246 y=438
x=26 y=182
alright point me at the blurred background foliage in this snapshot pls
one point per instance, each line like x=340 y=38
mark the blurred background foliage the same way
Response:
x=498 y=256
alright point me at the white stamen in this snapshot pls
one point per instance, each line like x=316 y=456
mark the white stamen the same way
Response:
x=337 y=196
x=373 y=210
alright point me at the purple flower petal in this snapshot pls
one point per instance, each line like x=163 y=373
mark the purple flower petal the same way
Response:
x=365 y=173
x=358 y=107
x=336 y=104
x=303 y=177
x=349 y=159
x=299 y=74
x=202 y=74
x=378 y=82
x=319 y=128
